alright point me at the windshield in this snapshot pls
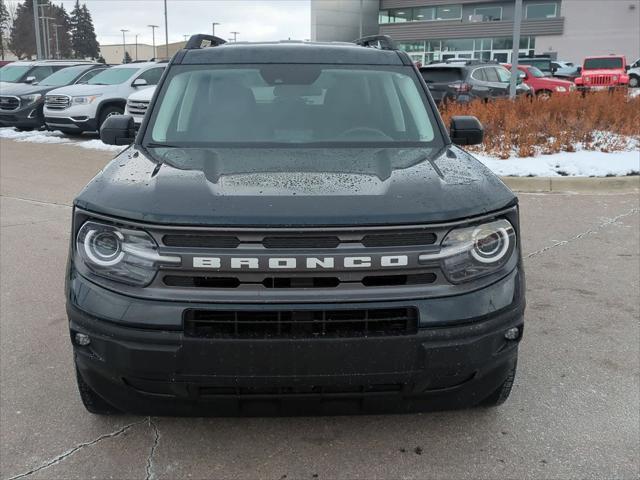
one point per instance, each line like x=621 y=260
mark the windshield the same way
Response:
x=542 y=64
x=63 y=77
x=605 y=63
x=535 y=72
x=11 y=73
x=289 y=104
x=113 y=76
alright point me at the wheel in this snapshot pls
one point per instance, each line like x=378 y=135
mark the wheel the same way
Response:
x=500 y=395
x=543 y=95
x=109 y=112
x=634 y=81
x=91 y=400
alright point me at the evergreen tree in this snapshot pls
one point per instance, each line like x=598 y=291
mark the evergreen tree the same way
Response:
x=4 y=27
x=83 y=35
x=23 y=37
x=127 y=57
x=64 y=31
x=101 y=60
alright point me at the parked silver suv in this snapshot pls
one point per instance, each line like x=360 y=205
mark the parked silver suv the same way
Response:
x=82 y=108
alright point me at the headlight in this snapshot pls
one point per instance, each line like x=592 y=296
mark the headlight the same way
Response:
x=615 y=78
x=587 y=79
x=29 y=99
x=471 y=252
x=85 y=100
x=125 y=255
x=561 y=89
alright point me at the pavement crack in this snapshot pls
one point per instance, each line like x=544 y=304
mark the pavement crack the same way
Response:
x=73 y=450
x=156 y=441
x=40 y=202
x=591 y=231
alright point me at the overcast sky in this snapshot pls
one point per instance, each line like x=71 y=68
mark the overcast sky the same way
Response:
x=256 y=20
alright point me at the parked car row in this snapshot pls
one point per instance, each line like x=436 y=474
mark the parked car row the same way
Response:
x=70 y=96
x=463 y=80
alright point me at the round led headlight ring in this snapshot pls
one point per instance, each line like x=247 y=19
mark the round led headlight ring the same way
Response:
x=104 y=248
x=490 y=246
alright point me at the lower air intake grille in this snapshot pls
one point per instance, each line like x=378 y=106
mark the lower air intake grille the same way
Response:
x=257 y=324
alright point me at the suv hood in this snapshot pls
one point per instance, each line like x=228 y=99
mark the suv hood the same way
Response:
x=294 y=186
x=23 y=89
x=78 y=90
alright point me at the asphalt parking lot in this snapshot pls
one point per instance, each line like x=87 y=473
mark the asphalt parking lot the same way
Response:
x=574 y=411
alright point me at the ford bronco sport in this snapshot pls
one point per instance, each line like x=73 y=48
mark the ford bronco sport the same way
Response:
x=292 y=230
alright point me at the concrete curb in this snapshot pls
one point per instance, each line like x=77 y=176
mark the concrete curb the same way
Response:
x=573 y=184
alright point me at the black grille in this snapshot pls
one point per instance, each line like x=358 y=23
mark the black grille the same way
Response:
x=301 y=242
x=187 y=281
x=300 y=324
x=201 y=241
x=399 y=239
x=9 y=103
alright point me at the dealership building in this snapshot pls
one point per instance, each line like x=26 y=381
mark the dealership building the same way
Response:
x=442 y=29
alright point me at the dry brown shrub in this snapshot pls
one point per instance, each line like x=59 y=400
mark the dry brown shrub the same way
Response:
x=525 y=127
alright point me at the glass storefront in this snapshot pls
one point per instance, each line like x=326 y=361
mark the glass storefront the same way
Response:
x=498 y=49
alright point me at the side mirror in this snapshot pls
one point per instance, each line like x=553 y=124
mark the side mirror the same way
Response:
x=466 y=130
x=139 y=82
x=627 y=68
x=118 y=130
x=579 y=70
x=30 y=79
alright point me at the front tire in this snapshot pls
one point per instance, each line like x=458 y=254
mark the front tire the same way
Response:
x=109 y=112
x=500 y=395
x=634 y=81
x=93 y=402
x=543 y=95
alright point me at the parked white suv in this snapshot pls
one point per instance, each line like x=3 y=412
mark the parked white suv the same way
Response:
x=634 y=75
x=138 y=103
x=83 y=108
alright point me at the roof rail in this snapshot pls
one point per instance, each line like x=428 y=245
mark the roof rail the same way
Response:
x=382 y=42
x=202 y=40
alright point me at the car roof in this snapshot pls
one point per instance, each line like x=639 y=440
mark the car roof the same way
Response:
x=290 y=52
x=53 y=62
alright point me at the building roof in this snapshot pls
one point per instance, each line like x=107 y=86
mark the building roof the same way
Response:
x=292 y=52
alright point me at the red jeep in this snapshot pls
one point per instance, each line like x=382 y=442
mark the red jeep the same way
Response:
x=599 y=73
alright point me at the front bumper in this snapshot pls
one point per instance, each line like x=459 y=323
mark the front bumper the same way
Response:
x=448 y=364
x=29 y=117
x=80 y=118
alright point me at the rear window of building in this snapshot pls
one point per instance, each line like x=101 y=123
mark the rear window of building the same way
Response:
x=440 y=75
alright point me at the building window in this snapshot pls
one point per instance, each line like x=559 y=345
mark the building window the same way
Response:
x=489 y=14
x=457 y=45
x=411 y=46
x=399 y=15
x=449 y=12
x=542 y=10
x=424 y=14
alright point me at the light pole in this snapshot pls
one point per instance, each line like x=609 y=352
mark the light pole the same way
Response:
x=55 y=29
x=166 y=30
x=515 y=53
x=136 y=47
x=124 y=46
x=36 y=24
x=45 y=40
x=213 y=28
x=153 y=34
x=235 y=36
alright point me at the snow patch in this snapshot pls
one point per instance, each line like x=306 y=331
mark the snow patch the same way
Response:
x=36 y=136
x=582 y=163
